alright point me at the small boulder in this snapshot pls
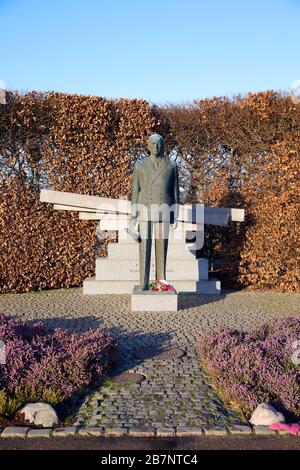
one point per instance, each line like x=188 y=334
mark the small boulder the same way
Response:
x=40 y=414
x=265 y=414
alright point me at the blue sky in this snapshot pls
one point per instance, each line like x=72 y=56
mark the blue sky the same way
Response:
x=161 y=50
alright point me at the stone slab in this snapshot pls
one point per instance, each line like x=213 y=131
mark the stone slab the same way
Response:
x=15 y=431
x=165 y=432
x=187 y=212
x=141 y=432
x=212 y=216
x=188 y=431
x=95 y=431
x=64 y=207
x=115 y=432
x=240 y=429
x=120 y=223
x=93 y=287
x=86 y=201
x=65 y=432
x=88 y=214
x=263 y=430
x=176 y=252
x=150 y=301
x=128 y=270
x=39 y=433
x=215 y=431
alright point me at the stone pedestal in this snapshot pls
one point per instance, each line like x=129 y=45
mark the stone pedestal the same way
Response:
x=151 y=301
x=119 y=272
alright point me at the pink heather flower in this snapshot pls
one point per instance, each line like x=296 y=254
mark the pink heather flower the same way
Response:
x=58 y=361
x=256 y=367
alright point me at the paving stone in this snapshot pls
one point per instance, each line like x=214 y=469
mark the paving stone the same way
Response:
x=188 y=431
x=165 y=432
x=115 y=432
x=240 y=429
x=142 y=432
x=263 y=430
x=91 y=431
x=215 y=431
x=39 y=433
x=65 y=432
x=15 y=431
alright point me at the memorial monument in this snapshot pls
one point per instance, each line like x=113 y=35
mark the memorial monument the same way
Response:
x=173 y=254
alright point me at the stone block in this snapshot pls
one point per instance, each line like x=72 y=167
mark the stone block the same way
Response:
x=39 y=433
x=240 y=429
x=93 y=287
x=65 y=432
x=89 y=214
x=175 y=252
x=187 y=213
x=115 y=432
x=215 y=431
x=141 y=432
x=15 y=431
x=188 y=431
x=95 y=431
x=128 y=270
x=263 y=430
x=165 y=432
x=150 y=301
x=85 y=201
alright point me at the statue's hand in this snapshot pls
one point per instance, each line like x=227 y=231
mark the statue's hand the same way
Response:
x=132 y=231
x=133 y=222
x=174 y=226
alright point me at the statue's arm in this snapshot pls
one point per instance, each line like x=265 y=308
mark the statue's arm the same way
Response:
x=135 y=189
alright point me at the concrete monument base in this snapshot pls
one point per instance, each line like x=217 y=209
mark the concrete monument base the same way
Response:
x=148 y=301
x=92 y=286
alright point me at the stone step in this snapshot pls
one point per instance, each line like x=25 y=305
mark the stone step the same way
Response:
x=128 y=269
x=131 y=251
x=150 y=301
x=92 y=287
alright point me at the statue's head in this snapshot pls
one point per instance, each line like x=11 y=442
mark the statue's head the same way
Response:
x=156 y=144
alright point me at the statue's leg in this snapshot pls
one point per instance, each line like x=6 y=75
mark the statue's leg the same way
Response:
x=145 y=253
x=161 y=248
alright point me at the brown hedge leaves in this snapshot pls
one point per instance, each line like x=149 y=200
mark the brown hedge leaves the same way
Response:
x=242 y=152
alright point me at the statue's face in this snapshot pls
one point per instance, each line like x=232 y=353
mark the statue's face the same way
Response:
x=155 y=145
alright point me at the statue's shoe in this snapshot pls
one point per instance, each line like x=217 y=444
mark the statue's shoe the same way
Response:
x=142 y=288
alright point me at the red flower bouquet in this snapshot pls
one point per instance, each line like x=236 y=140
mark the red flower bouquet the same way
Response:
x=161 y=286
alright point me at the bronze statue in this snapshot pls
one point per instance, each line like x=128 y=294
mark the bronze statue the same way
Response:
x=155 y=202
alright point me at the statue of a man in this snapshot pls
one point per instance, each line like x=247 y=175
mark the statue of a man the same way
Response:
x=155 y=202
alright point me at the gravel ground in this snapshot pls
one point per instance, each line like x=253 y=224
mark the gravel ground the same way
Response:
x=176 y=392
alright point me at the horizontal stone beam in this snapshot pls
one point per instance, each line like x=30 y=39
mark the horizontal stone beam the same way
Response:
x=63 y=207
x=92 y=205
x=109 y=224
x=83 y=201
x=103 y=216
x=211 y=217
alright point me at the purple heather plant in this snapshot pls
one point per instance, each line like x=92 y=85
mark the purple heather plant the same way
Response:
x=51 y=365
x=250 y=368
